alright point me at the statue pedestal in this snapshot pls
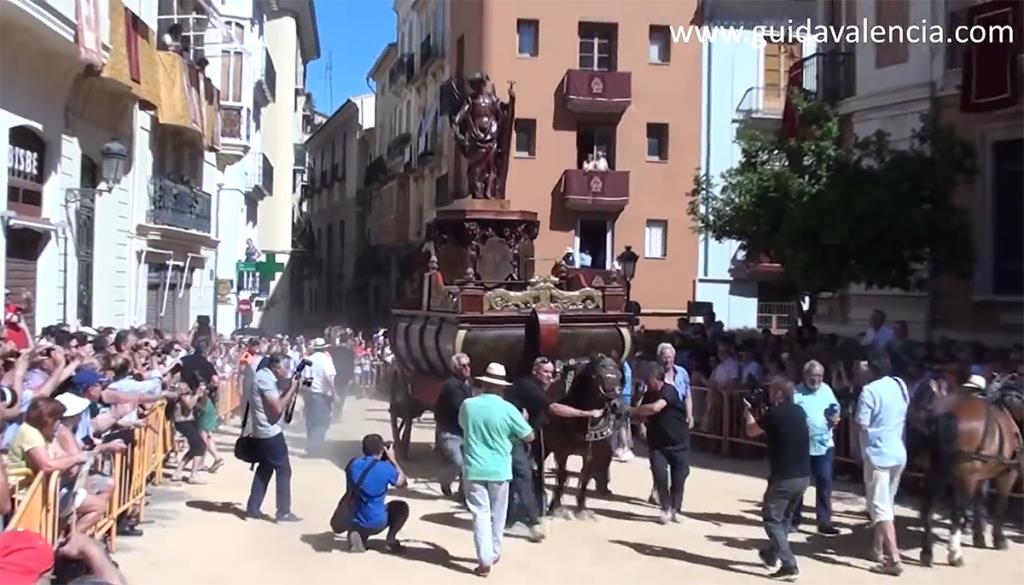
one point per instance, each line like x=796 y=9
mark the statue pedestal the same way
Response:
x=483 y=240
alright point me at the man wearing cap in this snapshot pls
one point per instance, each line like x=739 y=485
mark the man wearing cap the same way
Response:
x=319 y=397
x=490 y=425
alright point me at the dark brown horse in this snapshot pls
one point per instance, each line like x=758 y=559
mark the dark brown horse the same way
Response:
x=973 y=439
x=596 y=385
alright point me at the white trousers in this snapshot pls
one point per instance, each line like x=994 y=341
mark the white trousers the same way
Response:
x=488 y=502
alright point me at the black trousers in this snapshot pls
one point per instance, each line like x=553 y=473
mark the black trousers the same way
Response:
x=670 y=467
x=523 y=503
x=781 y=500
x=398 y=515
x=190 y=430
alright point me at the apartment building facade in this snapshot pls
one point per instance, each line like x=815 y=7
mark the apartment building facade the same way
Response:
x=976 y=90
x=745 y=83
x=596 y=77
x=330 y=209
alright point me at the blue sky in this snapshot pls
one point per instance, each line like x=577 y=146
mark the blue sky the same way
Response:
x=352 y=34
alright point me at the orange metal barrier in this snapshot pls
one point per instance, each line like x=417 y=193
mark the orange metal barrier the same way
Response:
x=37 y=506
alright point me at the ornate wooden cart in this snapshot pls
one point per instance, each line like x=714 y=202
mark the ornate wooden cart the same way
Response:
x=479 y=296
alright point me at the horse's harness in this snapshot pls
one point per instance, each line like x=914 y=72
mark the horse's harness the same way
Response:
x=994 y=399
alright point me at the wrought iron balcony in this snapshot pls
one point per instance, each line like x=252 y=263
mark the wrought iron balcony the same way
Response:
x=594 y=190
x=267 y=81
x=397 y=145
x=399 y=71
x=177 y=204
x=597 y=92
x=828 y=76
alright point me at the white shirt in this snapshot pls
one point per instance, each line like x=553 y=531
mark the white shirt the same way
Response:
x=585 y=260
x=601 y=164
x=321 y=371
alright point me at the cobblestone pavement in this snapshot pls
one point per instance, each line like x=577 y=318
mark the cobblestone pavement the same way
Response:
x=195 y=535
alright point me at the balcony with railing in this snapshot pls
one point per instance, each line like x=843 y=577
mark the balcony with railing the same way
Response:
x=594 y=190
x=827 y=76
x=179 y=205
x=397 y=73
x=427 y=53
x=597 y=92
x=265 y=185
x=266 y=82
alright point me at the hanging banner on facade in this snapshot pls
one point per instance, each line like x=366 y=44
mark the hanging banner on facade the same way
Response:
x=90 y=42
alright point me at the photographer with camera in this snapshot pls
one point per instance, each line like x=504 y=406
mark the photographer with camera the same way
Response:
x=362 y=513
x=784 y=425
x=318 y=397
x=268 y=404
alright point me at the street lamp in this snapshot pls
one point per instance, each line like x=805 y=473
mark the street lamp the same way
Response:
x=115 y=161
x=627 y=260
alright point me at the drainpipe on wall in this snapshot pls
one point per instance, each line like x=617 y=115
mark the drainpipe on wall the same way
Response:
x=707 y=148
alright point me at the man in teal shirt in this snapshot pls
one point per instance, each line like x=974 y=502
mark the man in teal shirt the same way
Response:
x=819 y=403
x=489 y=425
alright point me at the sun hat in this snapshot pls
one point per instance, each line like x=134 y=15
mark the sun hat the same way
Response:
x=73 y=404
x=494 y=374
x=318 y=344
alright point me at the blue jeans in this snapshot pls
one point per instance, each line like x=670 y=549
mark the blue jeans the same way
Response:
x=821 y=477
x=318 y=420
x=488 y=503
x=273 y=454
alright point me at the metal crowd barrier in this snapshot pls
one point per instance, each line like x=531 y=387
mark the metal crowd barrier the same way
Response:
x=725 y=428
x=36 y=507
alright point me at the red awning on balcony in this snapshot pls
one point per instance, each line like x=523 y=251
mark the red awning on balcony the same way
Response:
x=595 y=190
x=991 y=70
x=599 y=92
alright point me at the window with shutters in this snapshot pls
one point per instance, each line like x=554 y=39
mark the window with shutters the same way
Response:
x=655 y=238
x=894 y=15
x=597 y=46
x=232 y=63
x=779 y=57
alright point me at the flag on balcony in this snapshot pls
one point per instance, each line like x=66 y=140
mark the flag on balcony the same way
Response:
x=992 y=69
x=90 y=41
x=790 y=116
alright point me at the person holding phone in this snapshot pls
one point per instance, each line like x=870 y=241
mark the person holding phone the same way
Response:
x=819 y=404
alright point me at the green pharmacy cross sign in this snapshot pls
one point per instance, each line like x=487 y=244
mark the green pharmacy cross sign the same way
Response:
x=267 y=269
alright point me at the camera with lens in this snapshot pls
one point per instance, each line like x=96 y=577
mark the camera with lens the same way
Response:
x=302 y=365
x=757 y=398
x=8 y=397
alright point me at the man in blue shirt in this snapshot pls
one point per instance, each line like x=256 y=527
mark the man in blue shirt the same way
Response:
x=820 y=406
x=882 y=417
x=369 y=478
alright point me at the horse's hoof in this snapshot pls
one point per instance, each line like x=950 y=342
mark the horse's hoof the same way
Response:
x=1000 y=544
x=926 y=559
x=586 y=515
x=956 y=561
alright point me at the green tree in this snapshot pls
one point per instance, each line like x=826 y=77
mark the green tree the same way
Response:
x=833 y=216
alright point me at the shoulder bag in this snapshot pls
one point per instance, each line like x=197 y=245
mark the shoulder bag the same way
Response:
x=246 y=448
x=341 y=520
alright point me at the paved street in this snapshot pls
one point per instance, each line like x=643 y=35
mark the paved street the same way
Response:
x=194 y=534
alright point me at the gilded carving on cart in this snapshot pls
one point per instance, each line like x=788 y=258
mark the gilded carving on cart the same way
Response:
x=543 y=293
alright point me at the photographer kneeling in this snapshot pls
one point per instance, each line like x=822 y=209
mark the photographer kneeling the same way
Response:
x=368 y=478
x=784 y=425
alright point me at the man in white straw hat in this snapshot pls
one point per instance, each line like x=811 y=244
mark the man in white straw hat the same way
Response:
x=318 y=396
x=489 y=424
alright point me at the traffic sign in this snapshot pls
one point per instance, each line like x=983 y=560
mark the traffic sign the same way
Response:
x=245 y=306
x=241 y=266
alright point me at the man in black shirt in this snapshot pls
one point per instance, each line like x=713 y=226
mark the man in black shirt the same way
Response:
x=668 y=442
x=196 y=368
x=785 y=429
x=446 y=415
x=528 y=396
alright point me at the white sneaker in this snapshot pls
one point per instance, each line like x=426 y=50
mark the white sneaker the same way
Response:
x=665 y=517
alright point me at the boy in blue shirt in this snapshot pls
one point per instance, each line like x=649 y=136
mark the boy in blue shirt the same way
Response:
x=374 y=473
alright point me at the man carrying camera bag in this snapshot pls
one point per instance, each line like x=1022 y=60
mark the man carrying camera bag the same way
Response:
x=362 y=512
x=268 y=406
